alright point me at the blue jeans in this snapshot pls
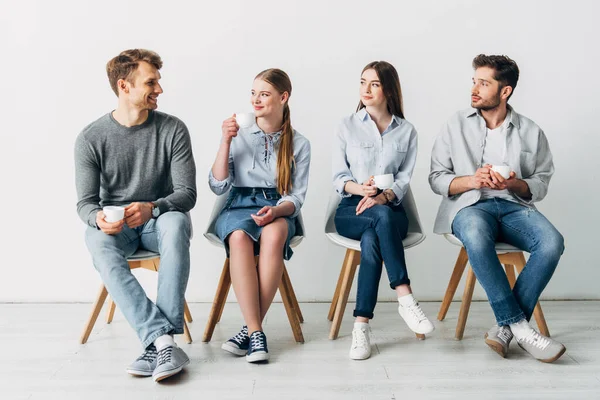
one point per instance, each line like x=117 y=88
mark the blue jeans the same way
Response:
x=380 y=230
x=479 y=226
x=168 y=235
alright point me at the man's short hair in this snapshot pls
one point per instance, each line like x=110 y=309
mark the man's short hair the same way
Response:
x=125 y=64
x=507 y=70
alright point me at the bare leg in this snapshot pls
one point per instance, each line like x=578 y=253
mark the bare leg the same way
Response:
x=270 y=262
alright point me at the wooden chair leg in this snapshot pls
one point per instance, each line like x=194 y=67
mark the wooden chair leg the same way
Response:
x=186 y=312
x=220 y=297
x=186 y=333
x=94 y=315
x=457 y=273
x=292 y=313
x=352 y=262
x=336 y=294
x=466 y=304
x=510 y=274
x=111 y=310
x=223 y=303
x=286 y=278
x=538 y=314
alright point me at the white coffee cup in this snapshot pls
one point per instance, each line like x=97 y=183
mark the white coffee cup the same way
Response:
x=384 y=181
x=113 y=213
x=503 y=170
x=245 y=120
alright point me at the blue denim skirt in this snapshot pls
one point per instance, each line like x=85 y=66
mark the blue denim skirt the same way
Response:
x=240 y=204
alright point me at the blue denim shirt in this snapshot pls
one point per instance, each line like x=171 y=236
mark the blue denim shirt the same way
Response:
x=253 y=163
x=359 y=151
x=458 y=151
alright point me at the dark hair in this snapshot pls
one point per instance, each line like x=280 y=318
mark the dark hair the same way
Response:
x=390 y=83
x=125 y=64
x=285 y=155
x=507 y=70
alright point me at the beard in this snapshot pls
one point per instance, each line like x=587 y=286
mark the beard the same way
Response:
x=489 y=104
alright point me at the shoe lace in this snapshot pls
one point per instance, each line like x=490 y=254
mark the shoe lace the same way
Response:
x=148 y=355
x=537 y=340
x=257 y=341
x=359 y=338
x=241 y=336
x=416 y=310
x=164 y=355
x=505 y=334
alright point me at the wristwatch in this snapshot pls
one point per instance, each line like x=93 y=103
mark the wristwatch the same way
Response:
x=388 y=196
x=155 y=211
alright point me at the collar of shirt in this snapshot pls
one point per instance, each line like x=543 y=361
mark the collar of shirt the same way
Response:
x=255 y=130
x=364 y=116
x=512 y=116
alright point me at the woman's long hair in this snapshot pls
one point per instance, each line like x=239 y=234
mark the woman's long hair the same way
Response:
x=390 y=83
x=285 y=157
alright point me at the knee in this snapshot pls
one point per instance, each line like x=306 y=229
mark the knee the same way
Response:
x=473 y=233
x=239 y=239
x=174 y=225
x=383 y=214
x=551 y=245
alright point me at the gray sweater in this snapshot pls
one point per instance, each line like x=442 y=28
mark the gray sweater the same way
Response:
x=117 y=165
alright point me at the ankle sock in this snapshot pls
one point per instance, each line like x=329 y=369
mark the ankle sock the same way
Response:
x=361 y=325
x=163 y=341
x=521 y=329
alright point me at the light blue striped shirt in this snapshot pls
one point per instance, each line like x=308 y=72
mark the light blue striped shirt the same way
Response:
x=359 y=151
x=253 y=163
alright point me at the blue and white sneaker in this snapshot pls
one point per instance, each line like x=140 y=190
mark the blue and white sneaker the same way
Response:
x=145 y=364
x=258 y=350
x=239 y=343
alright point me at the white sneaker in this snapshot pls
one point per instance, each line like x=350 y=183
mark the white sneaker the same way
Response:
x=361 y=344
x=415 y=317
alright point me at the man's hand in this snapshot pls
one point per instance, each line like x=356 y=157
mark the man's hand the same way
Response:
x=482 y=178
x=110 y=228
x=137 y=214
x=264 y=216
x=500 y=183
x=368 y=202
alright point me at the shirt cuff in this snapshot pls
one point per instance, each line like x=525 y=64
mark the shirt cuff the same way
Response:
x=217 y=186
x=339 y=187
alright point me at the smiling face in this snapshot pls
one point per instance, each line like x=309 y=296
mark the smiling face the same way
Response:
x=371 y=91
x=486 y=92
x=142 y=88
x=266 y=100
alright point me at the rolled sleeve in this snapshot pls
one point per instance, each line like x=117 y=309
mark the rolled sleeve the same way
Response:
x=219 y=187
x=339 y=162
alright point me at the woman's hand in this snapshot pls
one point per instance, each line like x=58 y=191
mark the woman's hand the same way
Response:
x=230 y=129
x=264 y=216
x=368 y=202
x=368 y=188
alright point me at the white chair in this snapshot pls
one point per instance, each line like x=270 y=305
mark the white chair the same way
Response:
x=342 y=290
x=285 y=287
x=140 y=259
x=511 y=257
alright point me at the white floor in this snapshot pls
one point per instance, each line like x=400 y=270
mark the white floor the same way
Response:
x=41 y=358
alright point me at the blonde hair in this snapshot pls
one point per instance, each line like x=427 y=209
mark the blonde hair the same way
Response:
x=285 y=156
x=125 y=64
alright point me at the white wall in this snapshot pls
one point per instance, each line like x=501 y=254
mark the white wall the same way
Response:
x=54 y=83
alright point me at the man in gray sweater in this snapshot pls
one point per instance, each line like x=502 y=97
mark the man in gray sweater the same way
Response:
x=142 y=160
x=480 y=206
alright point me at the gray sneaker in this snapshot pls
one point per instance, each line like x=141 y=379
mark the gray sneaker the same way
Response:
x=171 y=361
x=541 y=347
x=498 y=338
x=145 y=364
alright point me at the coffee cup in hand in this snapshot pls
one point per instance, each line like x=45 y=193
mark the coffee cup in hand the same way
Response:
x=113 y=213
x=503 y=170
x=245 y=120
x=384 y=181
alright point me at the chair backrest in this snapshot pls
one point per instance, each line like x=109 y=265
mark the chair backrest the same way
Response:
x=414 y=222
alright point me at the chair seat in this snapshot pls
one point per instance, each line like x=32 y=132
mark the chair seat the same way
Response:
x=214 y=239
x=412 y=239
x=500 y=247
x=142 y=254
